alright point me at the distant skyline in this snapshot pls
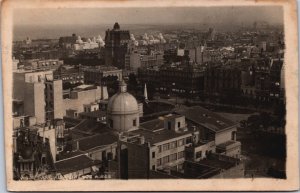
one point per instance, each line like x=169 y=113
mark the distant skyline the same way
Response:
x=175 y=15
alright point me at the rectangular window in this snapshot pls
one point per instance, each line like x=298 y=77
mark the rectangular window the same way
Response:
x=153 y=154
x=153 y=167
x=159 y=148
x=111 y=123
x=166 y=147
x=173 y=144
x=188 y=140
x=178 y=124
x=173 y=157
x=199 y=154
x=158 y=162
x=134 y=122
x=169 y=125
x=180 y=154
x=180 y=142
x=165 y=159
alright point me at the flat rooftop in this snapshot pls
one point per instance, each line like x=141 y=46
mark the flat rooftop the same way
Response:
x=159 y=136
x=206 y=118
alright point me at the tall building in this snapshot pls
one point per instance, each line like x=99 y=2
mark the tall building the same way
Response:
x=40 y=93
x=116 y=45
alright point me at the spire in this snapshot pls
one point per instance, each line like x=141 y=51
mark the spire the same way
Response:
x=146 y=93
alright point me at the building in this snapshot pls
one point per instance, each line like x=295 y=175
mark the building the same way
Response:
x=76 y=167
x=116 y=46
x=179 y=80
x=32 y=156
x=38 y=64
x=72 y=75
x=217 y=134
x=40 y=94
x=102 y=75
x=166 y=143
x=82 y=97
x=221 y=80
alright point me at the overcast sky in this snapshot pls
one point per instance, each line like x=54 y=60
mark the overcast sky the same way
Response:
x=96 y=16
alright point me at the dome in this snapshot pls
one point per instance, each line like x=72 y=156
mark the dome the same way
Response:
x=122 y=103
x=123 y=111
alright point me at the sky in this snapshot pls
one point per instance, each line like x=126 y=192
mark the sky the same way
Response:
x=97 y=16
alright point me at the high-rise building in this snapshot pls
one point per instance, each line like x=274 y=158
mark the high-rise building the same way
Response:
x=40 y=93
x=116 y=45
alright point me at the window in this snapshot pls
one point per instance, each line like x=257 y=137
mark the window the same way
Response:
x=180 y=142
x=169 y=125
x=111 y=123
x=173 y=144
x=178 y=124
x=180 y=154
x=180 y=166
x=199 y=154
x=158 y=162
x=153 y=167
x=159 y=148
x=165 y=159
x=166 y=147
x=153 y=154
x=134 y=122
x=173 y=157
x=189 y=140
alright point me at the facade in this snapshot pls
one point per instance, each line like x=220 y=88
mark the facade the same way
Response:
x=102 y=75
x=37 y=64
x=69 y=75
x=40 y=93
x=184 y=81
x=221 y=79
x=81 y=97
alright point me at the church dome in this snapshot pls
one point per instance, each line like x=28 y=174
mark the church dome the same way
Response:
x=122 y=102
x=123 y=111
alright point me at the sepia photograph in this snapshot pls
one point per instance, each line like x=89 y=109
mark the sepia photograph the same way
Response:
x=182 y=92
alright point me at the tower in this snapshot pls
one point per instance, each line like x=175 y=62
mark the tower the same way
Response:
x=116 y=45
x=146 y=93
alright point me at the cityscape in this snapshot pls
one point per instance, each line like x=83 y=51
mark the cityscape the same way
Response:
x=200 y=97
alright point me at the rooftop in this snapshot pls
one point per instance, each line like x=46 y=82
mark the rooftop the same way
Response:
x=95 y=114
x=206 y=118
x=216 y=163
x=74 y=164
x=94 y=141
x=90 y=127
x=159 y=136
x=153 y=125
